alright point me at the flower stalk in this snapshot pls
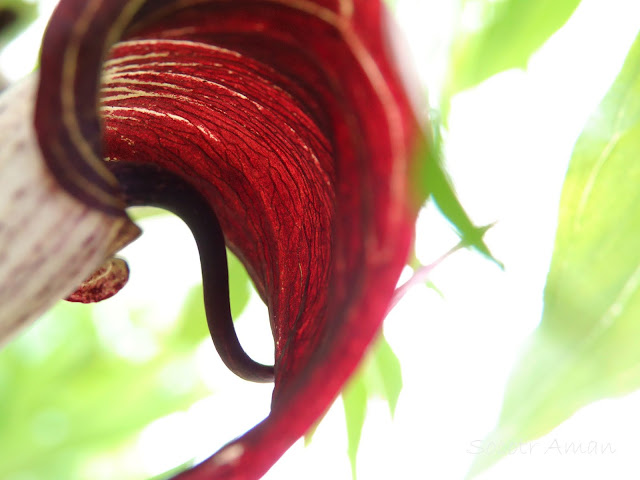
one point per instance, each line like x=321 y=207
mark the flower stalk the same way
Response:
x=50 y=241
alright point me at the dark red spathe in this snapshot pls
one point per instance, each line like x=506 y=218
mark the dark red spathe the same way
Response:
x=289 y=117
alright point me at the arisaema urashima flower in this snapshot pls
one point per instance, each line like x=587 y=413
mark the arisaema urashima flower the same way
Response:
x=279 y=128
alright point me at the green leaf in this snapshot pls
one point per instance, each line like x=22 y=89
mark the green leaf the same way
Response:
x=585 y=348
x=509 y=32
x=354 y=398
x=383 y=374
x=379 y=375
x=430 y=179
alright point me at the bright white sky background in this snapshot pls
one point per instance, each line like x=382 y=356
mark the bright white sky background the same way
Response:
x=508 y=146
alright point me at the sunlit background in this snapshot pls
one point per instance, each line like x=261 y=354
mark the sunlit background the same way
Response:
x=508 y=144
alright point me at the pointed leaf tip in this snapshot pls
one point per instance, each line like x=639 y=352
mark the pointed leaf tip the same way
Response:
x=431 y=179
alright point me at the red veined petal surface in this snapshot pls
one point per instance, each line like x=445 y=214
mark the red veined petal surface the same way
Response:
x=290 y=118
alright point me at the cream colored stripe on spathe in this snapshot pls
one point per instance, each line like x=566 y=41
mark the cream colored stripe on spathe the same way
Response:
x=80 y=32
x=49 y=241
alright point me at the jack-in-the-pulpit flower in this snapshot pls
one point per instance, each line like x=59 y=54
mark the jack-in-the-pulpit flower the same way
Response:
x=279 y=128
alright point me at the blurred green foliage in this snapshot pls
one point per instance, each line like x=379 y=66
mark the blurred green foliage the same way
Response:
x=67 y=395
x=15 y=15
x=498 y=35
x=585 y=347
